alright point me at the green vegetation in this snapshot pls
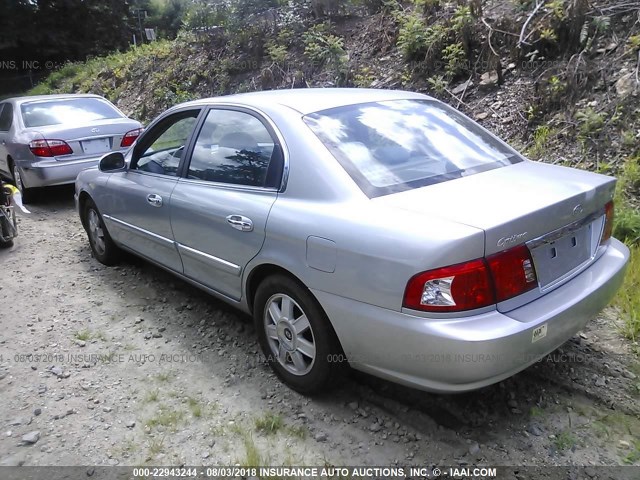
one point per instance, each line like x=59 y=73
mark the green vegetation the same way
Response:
x=633 y=456
x=627 y=229
x=541 y=138
x=165 y=417
x=628 y=299
x=536 y=412
x=156 y=447
x=252 y=458
x=152 y=396
x=324 y=48
x=298 y=431
x=163 y=377
x=83 y=335
x=565 y=441
x=195 y=406
x=270 y=423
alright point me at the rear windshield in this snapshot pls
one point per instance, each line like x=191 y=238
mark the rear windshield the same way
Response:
x=399 y=145
x=67 y=111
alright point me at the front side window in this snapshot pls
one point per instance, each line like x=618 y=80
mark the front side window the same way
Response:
x=399 y=145
x=236 y=148
x=161 y=149
x=6 y=117
x=71 y=111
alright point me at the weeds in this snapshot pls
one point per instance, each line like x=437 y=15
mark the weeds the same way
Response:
x=165 y=418
x=83 y=335
x=156 y=447
x=152 y=396
x=253 y=458
x=277 y=54
x=322 y=47
x=298 y=431
x=540 y=139
x=536 y=412
x=634 y=456
x=195 y=407
x=438 y=83
x=454 y=57
x=564 y=441
x=164 y=377
x=270 y=423
x=590 y=121
x=364 y=78
x=628 y=301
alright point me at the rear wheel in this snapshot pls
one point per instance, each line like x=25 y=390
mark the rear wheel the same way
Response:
x=102 y=246
x=296 y=336
x=27 y=193
x=5 y=230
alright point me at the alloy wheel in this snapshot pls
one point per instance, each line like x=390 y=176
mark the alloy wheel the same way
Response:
x=96 y=232
x=289 y=334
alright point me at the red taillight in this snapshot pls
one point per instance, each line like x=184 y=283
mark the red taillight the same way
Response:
x=49 y=148
x=513 y=272
x=451 y=289
x=473 y=284
x=608 y=222
x=130 y=137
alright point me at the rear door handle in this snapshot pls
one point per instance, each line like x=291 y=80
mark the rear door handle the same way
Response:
x=241 y=223
x=155 y=200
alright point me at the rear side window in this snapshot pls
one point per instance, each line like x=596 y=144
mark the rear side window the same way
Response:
x=66 y=111
x=6 y=116
x=399 y=145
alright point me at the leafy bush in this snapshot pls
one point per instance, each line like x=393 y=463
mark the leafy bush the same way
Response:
x=454 y=57
x=590 y=121
x=627 y=223
x=627 y=300
x=438 y=83
x=277 y=53
x=412 y=38
x=323 y=47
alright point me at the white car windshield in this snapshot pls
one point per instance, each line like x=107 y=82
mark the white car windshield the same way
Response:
x=398 y=145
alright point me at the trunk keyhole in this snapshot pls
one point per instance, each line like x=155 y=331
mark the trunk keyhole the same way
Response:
x=574 y=242
x=554 y=253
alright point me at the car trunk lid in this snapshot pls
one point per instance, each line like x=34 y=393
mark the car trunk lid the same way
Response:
x=90 y=139
x=558 y=212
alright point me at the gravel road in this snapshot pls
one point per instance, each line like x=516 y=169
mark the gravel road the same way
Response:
x=129 y=366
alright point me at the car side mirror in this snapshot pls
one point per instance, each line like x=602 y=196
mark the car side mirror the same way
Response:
x=112 y=162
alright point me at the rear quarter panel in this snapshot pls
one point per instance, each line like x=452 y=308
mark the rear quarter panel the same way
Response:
x=375 y=251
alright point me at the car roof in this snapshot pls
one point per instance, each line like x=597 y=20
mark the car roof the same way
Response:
x=309 y=100
x=40 y=98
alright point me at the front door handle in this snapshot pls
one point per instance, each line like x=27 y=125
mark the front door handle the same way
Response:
x=241 y=223
x=155 y=200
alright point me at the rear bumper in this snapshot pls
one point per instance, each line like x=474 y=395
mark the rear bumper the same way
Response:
x=45 y=173
x=461 y=354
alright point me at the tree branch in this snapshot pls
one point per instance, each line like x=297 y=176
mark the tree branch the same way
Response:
x=539 y=5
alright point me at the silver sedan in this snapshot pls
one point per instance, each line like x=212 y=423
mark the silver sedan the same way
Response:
x=47 y=140
x=381 y=230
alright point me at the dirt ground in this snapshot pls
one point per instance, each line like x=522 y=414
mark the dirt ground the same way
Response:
x=130 y=366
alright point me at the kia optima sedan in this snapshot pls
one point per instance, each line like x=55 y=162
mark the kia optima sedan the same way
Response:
x=47 y=140
x=381 y=230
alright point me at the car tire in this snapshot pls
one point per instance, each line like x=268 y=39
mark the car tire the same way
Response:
x=102 y=246
x=5 y=229
x=296 y=336
x=27 y=193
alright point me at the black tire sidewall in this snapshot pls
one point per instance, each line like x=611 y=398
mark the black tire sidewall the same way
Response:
x=329 y=363
x=111 y=253
x=27 y=193
x=3 y=226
